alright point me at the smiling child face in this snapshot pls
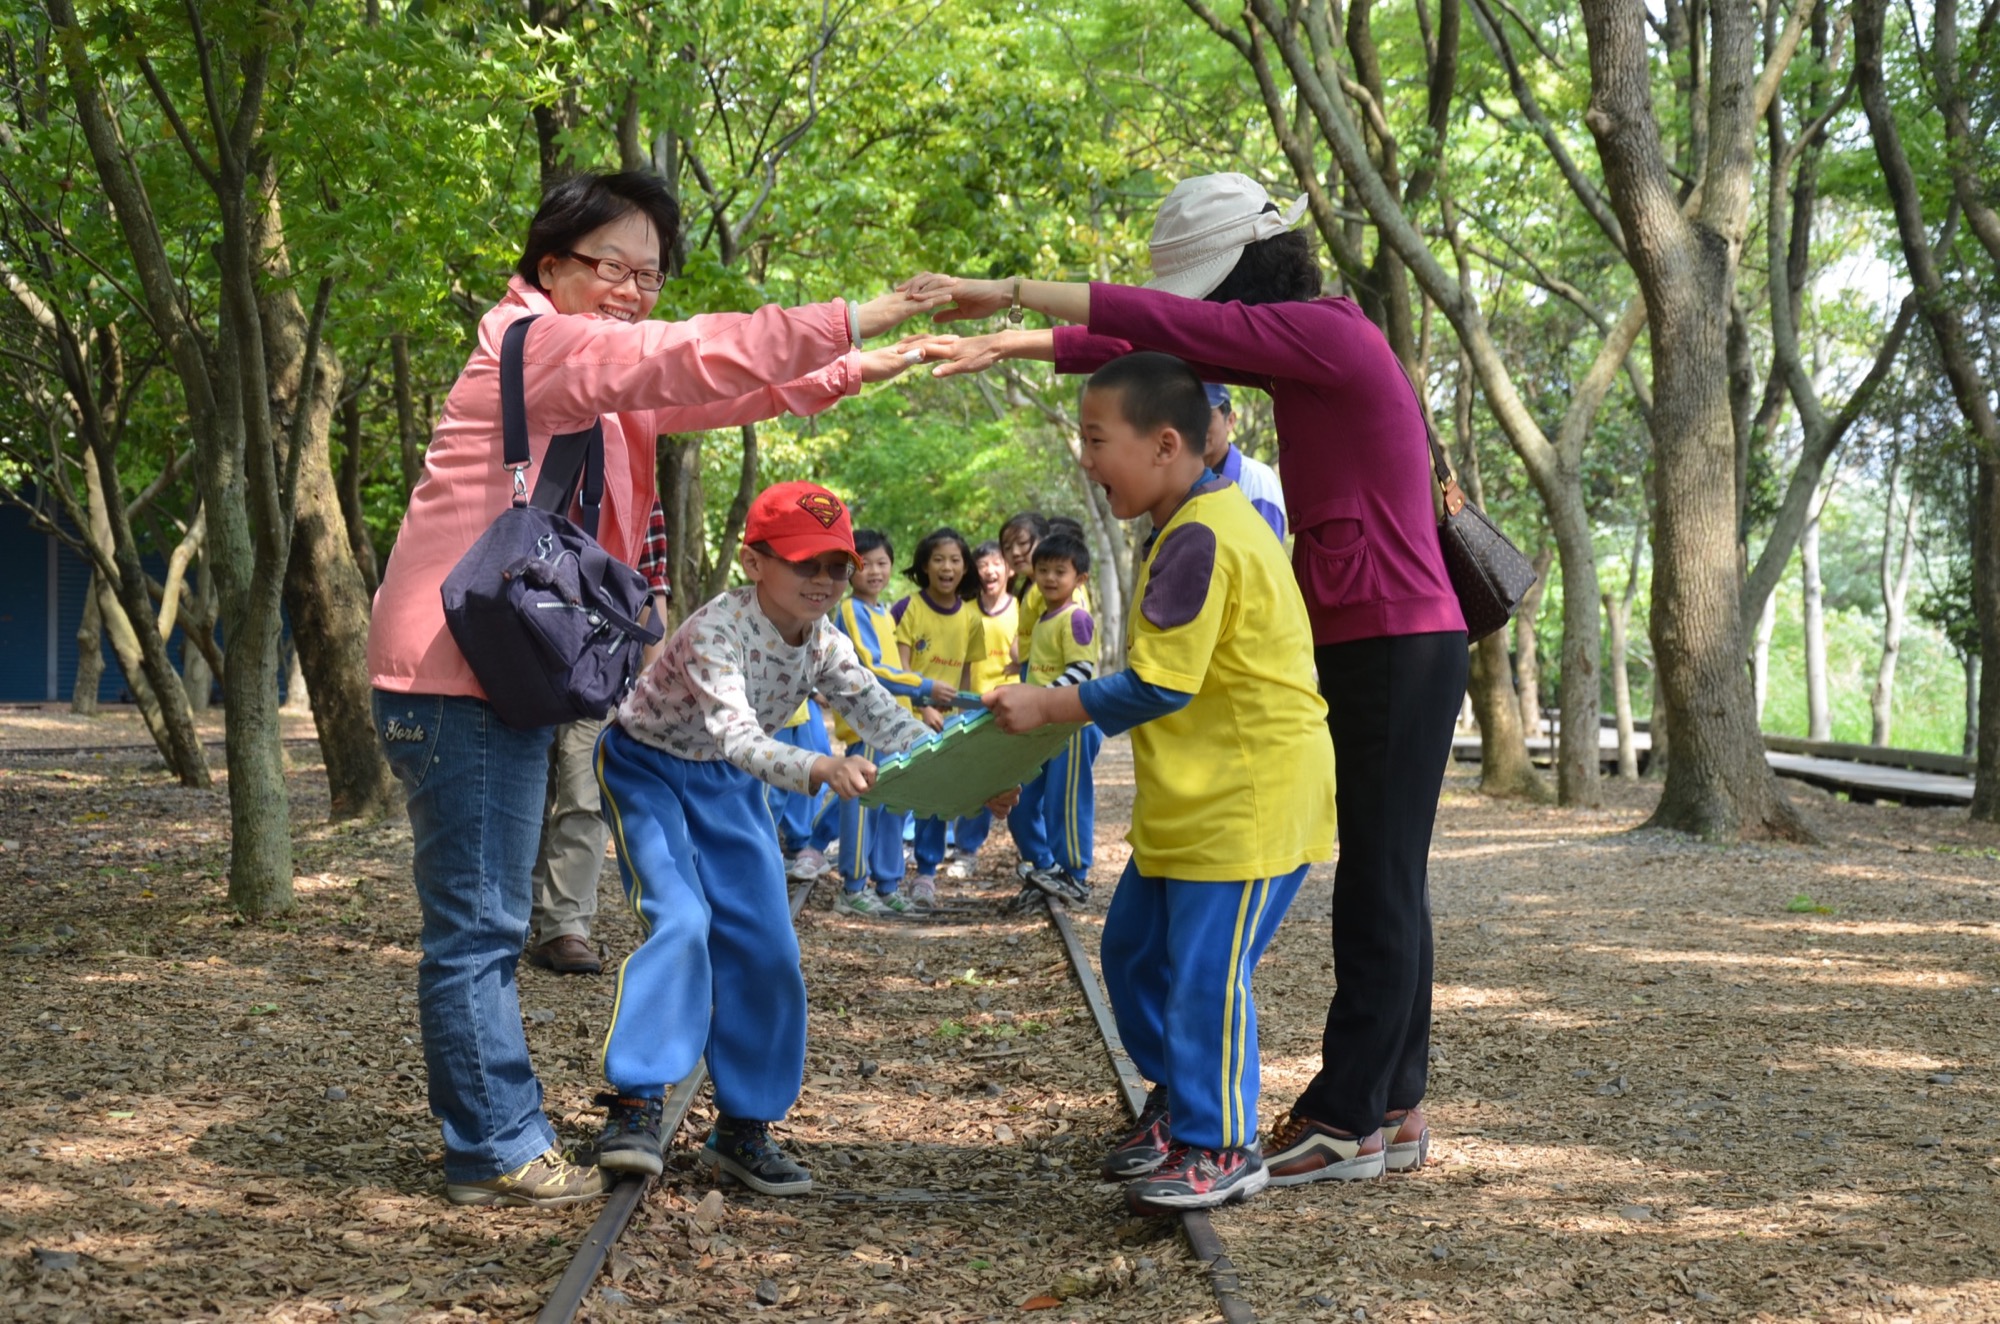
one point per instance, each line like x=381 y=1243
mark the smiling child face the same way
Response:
x=992 y=570
x=946 y=569
x=1132 y=467
x=873 y=576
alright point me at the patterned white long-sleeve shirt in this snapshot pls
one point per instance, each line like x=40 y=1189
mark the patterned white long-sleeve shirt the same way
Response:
x=727 y=680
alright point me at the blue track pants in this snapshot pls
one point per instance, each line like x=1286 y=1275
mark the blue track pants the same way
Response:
x=969 y=834
x=796 y=814
x=1177 y=962
x=1056 y=820
x=871 y=841
x=703 y=875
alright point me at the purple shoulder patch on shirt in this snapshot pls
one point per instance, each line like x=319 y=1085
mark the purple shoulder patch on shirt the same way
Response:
x=1177 y=584
x=1081 y=627
x=896 y=612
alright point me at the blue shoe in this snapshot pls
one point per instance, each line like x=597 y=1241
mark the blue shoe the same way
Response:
x=630 y=1141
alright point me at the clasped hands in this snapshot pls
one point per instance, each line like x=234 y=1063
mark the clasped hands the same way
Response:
x=947 y=299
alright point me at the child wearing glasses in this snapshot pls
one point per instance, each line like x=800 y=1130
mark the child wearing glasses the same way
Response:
x=682 y=771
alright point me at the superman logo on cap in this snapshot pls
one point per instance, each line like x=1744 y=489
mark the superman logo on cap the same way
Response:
x=822 y=506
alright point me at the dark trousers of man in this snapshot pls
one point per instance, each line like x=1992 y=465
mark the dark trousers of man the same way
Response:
x=1392 y=704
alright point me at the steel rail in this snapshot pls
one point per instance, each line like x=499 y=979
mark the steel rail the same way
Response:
x=626 y=1196
x=1201 y=1235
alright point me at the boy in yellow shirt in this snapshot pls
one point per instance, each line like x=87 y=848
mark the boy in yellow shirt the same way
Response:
x=1055 y=823
x=1234 y=782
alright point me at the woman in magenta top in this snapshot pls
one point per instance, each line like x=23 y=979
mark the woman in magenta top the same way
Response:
x=475 y=786
x=1236 y=292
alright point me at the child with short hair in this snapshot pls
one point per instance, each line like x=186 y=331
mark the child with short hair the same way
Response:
x=938 y=635
x=682 y=771
x=1055 y=824
x=1234 y=783
x=1021 y=563
x=999 y=615
x=871 y=840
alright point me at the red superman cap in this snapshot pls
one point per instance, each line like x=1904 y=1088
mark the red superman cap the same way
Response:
x=799 y=521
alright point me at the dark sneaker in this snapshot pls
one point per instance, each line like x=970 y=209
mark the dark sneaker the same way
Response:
x=630 y=1141
x=1143 y=1148
x=1059 y=883
x=548 y=1181
x=745 y=1151
x=1406 y=1141
x=1195 y=1178
x=1303 y=1150
x=1028 y=898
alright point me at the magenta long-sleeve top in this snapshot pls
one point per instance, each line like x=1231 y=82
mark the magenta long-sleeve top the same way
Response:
x=643 y=379
x=1353 y=455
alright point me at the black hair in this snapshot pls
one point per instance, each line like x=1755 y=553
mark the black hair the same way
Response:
x=572 y=209
x=1065 y=524
x=867 y=540
x=986 y=549
x=1065 y=547
x=1281 y=269
x=1158 y=391
x=1033 y=521
x=968 y=587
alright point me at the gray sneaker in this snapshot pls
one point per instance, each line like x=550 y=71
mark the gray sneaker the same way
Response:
x=547 y=1181
x=862 y=904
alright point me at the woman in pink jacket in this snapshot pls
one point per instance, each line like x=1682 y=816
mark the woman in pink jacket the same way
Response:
x=592 y=267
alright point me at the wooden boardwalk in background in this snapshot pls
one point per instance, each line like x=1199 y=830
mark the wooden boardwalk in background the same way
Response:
x=1863 y=773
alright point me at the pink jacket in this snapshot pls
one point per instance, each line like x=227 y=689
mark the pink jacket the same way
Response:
x=644 y=379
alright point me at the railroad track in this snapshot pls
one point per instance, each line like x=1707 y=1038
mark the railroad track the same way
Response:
x=1203 y=1242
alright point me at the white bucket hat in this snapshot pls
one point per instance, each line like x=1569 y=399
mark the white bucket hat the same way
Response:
x=1204 y=226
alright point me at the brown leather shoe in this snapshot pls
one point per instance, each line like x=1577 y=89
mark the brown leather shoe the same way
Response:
x=567 y=955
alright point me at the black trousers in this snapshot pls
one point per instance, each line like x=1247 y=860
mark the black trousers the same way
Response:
x=1392 y=704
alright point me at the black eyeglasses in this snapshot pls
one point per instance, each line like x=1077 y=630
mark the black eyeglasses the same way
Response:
x=613 y=272
x=836 y=567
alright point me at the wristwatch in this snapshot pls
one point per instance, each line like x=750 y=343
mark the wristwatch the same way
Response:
x=1014 y=310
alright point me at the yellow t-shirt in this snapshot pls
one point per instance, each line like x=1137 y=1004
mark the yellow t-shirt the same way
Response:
x=871 y=628
x=1034 y=606
x=942 y=643
x=1059 y=638
x=993 y=666
x=1239 y=783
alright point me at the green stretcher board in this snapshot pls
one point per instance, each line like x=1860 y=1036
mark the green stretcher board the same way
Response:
x=953 y=773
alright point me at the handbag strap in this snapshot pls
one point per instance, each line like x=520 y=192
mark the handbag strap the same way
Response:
x=1451 y=497
x=569 y=452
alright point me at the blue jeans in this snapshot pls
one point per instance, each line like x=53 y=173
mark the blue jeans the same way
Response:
x=474 y=787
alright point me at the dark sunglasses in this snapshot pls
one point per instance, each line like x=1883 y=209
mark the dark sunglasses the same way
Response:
x=834 y=566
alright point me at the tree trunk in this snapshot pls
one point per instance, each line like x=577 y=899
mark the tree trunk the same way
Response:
x=1968 y=744
x=1971 y=387
x=1527 y=650
x=125 y=610
x=1760 y=656
x=409 y=436
x=89 y=655
x=1819 y=721
x=1895 y=571
x=196 y=676
x=324 y=593
x=1504 y=766
x=683 y=504
x=1618 y=618
x=739 y=511
x=1718 y=785
x=351 y=512
x=1579 y=751
x=1660 y=728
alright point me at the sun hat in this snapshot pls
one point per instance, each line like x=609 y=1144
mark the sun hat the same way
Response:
x=800 y=520
x=1204 y=226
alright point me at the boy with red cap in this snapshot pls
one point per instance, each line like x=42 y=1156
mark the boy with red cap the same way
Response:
x=683 y=770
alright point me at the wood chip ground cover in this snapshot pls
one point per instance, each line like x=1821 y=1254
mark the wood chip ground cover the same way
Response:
x=1670 y=1082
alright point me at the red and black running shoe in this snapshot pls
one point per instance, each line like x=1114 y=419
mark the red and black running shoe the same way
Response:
x=1195 y=1178
x=1144 y=1148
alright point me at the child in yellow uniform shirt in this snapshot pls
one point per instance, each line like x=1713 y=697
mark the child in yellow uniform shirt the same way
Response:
x=1233 y=774
x=939 y=634
x=998 y=615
